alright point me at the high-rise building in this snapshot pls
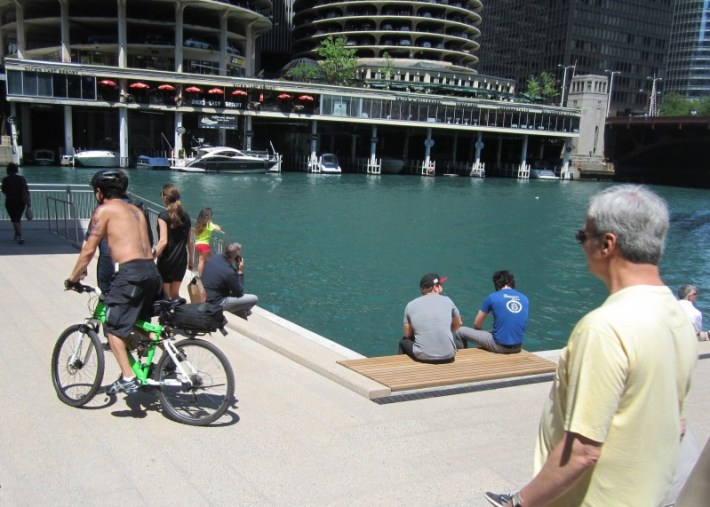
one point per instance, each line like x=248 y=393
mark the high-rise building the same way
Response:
x=520 y=39
x=688 y=70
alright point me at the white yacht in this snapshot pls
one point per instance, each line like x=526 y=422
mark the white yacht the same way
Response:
x=96 y=158
x=223 y=159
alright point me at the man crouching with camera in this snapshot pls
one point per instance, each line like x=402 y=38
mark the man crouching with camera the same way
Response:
x=223 y=279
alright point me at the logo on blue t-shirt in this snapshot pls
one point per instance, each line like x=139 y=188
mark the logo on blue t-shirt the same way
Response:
x=514 y=306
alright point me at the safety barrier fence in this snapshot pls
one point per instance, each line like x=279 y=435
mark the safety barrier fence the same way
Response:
x=67 y=209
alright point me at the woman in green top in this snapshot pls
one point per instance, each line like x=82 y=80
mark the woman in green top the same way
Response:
x=203 y=235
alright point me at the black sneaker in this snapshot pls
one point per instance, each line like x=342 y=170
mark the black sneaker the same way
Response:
x=498 y=499
x=124 y=386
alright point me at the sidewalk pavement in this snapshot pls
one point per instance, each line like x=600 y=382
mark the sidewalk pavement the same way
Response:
x=297 y=435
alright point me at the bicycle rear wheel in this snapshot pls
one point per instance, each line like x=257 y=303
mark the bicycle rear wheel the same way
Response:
x=77 y=365
x=206 y=395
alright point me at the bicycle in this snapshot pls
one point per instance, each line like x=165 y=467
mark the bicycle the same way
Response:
x=193 y=377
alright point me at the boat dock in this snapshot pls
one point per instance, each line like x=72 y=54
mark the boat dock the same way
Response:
x=303 y=431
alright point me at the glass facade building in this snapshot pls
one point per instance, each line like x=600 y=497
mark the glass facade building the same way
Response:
x=688 y=71
x=520 y=38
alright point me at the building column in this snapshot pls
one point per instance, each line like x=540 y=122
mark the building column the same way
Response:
x=122 y=37
x=479 y=146
x=248 y=132
x=65 y=31
x=179 y=35
x=20 y=23
x=223 y=43
x=250 y=50
x=499 y=152
x=123 y=136
x=68 y=131
x=25 y=129
x=314 y=138
x=179 y=131
x=373 y=142
x=428 y=144
x=524 y=150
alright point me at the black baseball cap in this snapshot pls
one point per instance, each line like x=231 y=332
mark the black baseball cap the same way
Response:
x=431 y=279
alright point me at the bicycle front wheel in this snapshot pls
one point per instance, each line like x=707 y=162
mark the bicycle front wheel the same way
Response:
x=201 y=388
x=77 y=365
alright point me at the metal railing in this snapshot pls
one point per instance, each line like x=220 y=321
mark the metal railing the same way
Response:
x=62 y=220
x=65 y=206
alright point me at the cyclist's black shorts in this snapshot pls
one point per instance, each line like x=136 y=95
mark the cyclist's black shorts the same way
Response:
x=134 y=289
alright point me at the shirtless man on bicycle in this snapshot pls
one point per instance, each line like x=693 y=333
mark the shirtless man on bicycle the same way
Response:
x=136 y=282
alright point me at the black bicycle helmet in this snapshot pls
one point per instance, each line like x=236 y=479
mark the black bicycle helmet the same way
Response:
x=108 y=180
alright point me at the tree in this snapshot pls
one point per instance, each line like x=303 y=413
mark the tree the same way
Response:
x=388 y=70
x=549 y=86
x=303 y=72
x=533 y=88
x=338 y=61
x=675 y=104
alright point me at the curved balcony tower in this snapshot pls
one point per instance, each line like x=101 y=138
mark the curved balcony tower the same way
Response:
x=194 y=36
x=442 y=32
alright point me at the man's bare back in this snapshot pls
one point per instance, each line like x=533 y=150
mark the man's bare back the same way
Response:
x=125 y=229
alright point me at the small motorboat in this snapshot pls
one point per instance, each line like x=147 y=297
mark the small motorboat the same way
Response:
x=146 y=162
x=96 y=158
x=223 y=159
x=43 y=157
x=543 y=174
x=328 y=164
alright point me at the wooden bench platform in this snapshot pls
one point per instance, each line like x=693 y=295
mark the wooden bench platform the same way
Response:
x=401 y=373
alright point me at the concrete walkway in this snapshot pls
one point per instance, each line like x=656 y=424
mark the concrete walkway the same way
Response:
x=299 y=435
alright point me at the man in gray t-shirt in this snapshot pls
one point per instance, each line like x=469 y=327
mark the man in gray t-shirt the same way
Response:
x=429 y=324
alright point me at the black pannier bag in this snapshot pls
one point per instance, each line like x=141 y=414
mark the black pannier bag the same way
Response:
x=199 y=317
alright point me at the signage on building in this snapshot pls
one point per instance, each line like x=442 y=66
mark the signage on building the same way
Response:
x=218 y=121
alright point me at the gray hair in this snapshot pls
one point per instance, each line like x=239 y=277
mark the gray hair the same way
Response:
x=636 y=216
x=686 y=290
x=233 y=250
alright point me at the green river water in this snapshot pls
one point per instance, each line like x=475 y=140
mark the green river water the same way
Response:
x=342 y=255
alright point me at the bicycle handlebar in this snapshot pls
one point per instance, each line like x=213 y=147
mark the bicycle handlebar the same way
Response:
x=79 y=287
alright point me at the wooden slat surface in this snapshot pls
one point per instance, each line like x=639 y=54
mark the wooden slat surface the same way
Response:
x=401 y=373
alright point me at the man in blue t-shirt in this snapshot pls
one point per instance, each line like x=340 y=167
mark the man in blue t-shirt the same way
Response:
x=510 y=316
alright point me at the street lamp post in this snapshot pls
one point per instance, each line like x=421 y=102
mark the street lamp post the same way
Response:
x=652 y=106
x=564 y=80
x=612 y=73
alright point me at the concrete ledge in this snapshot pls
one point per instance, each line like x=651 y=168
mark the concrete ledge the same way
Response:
x=306 y=348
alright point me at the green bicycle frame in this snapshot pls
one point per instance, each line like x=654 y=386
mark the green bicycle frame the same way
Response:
x=140 y=367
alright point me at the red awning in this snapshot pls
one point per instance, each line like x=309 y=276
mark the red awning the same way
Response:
x=284 y=96
x=138 y=85
x=107 y=82
x=240 y=93
x=166 y=87
x=193 y=89
x=306 y=98
x=216 y=91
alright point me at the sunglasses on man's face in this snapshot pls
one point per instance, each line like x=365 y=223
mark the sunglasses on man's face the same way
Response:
x=581 y=236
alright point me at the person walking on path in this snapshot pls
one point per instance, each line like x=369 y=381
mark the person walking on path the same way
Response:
x=510 y=317
x=17 y=198
x=429 y=323
x=687 y=296
x=611 y=428
x=223 y=280
x=175 y=250
x=136 y=282
x=203 y=236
